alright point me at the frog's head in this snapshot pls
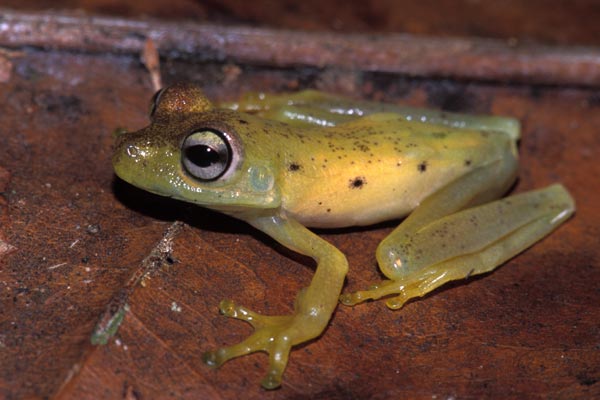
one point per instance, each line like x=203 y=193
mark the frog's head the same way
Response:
x=194 y=152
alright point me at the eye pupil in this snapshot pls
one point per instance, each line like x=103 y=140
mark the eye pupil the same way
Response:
x=206 y=154
x=202 y=155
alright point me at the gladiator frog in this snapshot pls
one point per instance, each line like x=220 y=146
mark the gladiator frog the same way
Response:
x=283 y=163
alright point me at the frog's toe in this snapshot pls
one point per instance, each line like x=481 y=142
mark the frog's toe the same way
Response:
x=272 y=380
x=229 y=309
x=215 y=359
x=376 y=291
x=278 y=358
x=397 y=302
x=352 y=299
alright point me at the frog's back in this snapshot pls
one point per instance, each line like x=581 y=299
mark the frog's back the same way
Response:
x=379 y=167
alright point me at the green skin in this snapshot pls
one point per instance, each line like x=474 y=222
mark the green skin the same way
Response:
x=292 y=157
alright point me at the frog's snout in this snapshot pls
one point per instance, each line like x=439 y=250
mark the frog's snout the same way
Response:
x=118 y=156
x=119 y=136
x=126 y=154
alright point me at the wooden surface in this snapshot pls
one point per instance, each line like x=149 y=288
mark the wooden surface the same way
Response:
x=72 y=237
x=548 y=21
x=412 y=55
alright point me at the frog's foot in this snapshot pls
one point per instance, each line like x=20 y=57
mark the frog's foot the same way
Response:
x=404 y=291
x=274 y=335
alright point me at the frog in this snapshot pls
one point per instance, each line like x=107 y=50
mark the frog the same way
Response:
x=288 y=162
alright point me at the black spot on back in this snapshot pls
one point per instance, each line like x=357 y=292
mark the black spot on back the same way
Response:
x=293 y=167
x=358 y=182
x=422 y=167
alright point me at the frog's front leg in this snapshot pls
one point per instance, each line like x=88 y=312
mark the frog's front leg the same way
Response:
x=443 y=240
x=313 y=308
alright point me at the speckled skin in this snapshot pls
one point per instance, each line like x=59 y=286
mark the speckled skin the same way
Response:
x=311 y=159
x=380 y=159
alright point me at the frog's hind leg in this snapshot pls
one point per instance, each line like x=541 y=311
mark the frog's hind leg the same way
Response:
x=473 y=241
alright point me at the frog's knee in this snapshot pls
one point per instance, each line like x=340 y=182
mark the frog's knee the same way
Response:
x=392 y=262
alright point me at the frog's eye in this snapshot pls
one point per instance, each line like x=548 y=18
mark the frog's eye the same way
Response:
x=155 y=101
x=206 y=154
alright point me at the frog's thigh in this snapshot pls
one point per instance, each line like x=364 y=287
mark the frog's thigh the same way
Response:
x=465 y=243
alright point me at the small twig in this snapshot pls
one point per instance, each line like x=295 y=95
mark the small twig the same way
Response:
x=414 y=55
x=111 y=319
x=151 y=60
